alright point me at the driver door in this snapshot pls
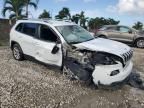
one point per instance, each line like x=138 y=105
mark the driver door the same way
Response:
x=44 y=46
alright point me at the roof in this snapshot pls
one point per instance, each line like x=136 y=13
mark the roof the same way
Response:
x=56 y=22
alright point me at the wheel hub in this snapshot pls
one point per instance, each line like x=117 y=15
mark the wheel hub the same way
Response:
x=16 y=53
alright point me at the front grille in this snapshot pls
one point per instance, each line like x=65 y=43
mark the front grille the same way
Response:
x=127 y=56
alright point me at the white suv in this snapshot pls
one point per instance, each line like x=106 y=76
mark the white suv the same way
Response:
x=75 y=50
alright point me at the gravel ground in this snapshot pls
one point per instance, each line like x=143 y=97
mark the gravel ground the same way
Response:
x=31 y=85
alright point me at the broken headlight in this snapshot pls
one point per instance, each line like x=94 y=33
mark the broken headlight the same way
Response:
x=103 y=59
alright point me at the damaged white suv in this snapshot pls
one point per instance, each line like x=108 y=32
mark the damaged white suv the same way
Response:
x=75 y=50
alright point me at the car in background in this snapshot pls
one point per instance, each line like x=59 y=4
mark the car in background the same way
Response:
x=123 y=34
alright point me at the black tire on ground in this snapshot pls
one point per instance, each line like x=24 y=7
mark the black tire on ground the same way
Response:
x=17 y=52
x=139 y=43
x=103 y=36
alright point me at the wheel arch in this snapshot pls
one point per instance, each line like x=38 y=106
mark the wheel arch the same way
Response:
x=13 y=43
x=103 y=35
x=137 y=39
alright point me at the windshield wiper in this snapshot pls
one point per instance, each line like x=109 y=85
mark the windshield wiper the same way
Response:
x=74 y=42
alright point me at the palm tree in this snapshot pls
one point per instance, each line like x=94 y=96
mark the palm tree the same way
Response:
x=75 y=18
x=64 y=13
x=138 y=25
x=83 y=19
x=14 y=7
x=32 y=3
x=45 y=14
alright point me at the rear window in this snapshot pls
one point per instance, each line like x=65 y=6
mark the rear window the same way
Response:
x=112 y=28
x=19 y=27
x=103 y=28
x=109 y=28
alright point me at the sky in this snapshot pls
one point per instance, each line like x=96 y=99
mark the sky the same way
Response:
x=127 y=12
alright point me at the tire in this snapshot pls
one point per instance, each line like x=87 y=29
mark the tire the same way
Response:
x=17 y=52
x=103 y=36
x=139 y=43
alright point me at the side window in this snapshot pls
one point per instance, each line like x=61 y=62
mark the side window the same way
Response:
x=29 y=29
x=124 y=29
x=19 y=27
x=112 y=29
x=47 y=34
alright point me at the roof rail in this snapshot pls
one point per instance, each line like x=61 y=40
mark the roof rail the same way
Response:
x=67 y=20
x=48 y=20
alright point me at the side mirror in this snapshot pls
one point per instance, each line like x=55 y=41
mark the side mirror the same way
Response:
x=55 y=49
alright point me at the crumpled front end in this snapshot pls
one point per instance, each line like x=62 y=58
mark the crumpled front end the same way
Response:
x=102 y=67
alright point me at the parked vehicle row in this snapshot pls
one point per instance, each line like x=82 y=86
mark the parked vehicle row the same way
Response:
x=70 y=47
x=123 y=34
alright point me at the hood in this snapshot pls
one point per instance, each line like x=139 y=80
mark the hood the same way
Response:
x=104 y=45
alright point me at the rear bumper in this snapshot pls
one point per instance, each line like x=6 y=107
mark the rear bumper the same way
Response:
x=101 y=74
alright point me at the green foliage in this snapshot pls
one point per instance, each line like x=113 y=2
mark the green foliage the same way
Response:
x=75 y=18
x=14 y=7
x=64 y=14
x=31 y=3
x=45 y=14
x=83 y=19
x=80 y=18
x=95 y=23
x=138 y=25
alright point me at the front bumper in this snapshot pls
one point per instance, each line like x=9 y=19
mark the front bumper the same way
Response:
x=102 y=73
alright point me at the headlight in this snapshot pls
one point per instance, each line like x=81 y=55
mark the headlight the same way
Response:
x=104 y=59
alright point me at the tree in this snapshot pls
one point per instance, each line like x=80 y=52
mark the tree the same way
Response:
x=75 y=18
x=45 y=14
x=64 y=13
x=138 y=25
x=83 y=19
x=28 y=3
x=96 y=23
x=14 y=7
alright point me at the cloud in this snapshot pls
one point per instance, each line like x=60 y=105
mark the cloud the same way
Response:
x=131 y=7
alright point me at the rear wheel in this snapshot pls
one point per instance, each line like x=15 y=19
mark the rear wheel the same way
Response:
x=17 y=52
x=139 y=43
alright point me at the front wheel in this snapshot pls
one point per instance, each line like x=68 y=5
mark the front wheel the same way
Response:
x=139 y=43
x=17 y=52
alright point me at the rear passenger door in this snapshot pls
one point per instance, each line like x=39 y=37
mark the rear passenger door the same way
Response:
x=113 y=32
x=26 y=33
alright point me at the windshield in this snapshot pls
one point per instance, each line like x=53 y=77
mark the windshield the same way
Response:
x=74 y=34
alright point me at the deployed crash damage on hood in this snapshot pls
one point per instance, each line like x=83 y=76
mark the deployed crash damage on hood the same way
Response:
x=87 y=58
x=100 y=67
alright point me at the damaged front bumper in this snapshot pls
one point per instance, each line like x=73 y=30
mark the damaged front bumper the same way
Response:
x=103 y=73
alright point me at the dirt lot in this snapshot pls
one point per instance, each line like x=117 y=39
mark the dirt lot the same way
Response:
x=28 y=84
